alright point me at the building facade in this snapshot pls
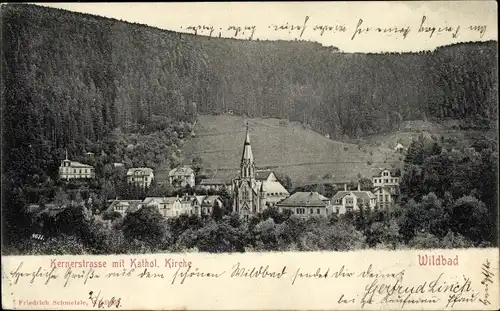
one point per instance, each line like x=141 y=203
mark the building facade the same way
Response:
x=75 y=170
x=252 y=195
x=182 y=176
x=124 y=206
x=140 y=176
x=350 y=201
x=306 y=204
x=216 y=184
x=386 y=187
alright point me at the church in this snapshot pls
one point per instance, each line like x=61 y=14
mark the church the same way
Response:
x=255 y=190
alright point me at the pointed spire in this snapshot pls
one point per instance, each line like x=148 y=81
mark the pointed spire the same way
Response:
x=247 y=148
x=247 y=139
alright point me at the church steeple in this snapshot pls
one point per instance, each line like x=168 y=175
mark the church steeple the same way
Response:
x=247 y=162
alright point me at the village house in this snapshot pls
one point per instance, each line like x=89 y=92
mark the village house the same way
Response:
x=207 y=204
x=182 y=176
x=349 y=201
x=140 y=176
x=306 y=204
x=386 y=186
x=187 y=205
x=167 y=206
x=254 y=191
x=124 y=206
x=75 y=170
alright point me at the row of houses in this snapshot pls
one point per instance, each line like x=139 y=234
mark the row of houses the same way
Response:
x=170 y=206
x=308 y=204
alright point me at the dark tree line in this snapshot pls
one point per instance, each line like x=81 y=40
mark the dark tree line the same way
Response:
x=69 y=79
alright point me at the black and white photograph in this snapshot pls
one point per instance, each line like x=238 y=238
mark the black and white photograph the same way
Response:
x=132 y=133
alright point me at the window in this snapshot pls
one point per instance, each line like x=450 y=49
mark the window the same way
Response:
x=145 y=179
x=349 y=209
x=74 y=171
x=386 y=180
x=311 y=211
x=338 y=210
x=318 y=211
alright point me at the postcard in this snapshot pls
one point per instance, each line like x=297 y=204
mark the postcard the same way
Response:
x=250 y=156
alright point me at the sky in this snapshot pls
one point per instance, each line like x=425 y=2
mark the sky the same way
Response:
x=350 y=26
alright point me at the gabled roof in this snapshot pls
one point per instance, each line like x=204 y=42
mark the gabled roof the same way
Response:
x=210 y=200
x=130 y=204
x=143 y=170
x=305 y=199
x=181 y=171
x=365 y=195
x=377 y=172
x=273 y=187
x=160 y=200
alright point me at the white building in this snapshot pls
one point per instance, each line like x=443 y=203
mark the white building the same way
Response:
x=75 y=170
x=350 y=201
x=182 y=176
x=124 y=206
x=386 y=186
x=141 y=176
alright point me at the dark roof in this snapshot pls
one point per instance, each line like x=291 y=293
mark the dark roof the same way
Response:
x=305 y=199
x=215 y=182
x=378 y=172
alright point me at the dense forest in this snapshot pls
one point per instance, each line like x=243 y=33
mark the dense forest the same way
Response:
x=83 y=83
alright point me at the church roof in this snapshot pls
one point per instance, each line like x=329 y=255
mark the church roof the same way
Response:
x=262 y=175
x=273 y=187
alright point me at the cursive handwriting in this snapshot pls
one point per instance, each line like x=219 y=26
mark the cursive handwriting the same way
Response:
x=40 y=273
x=396 y=288
x=183 y=275
x=357 y=29
x=485 y=270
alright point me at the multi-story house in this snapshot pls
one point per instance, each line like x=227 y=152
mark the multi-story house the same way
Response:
x=306 y=204
x=75 y=170
x=140 y=176
x=386 y=187
x=167 y=206
x=349 y=201
x=182 y=176
x=207 y=204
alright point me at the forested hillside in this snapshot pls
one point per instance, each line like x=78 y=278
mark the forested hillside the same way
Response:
x=70 y=78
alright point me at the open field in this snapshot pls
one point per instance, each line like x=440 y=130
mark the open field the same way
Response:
x=301 y=153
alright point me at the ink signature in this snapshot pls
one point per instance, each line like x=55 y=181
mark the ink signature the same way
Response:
x=488 y=278
x=101 y=303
